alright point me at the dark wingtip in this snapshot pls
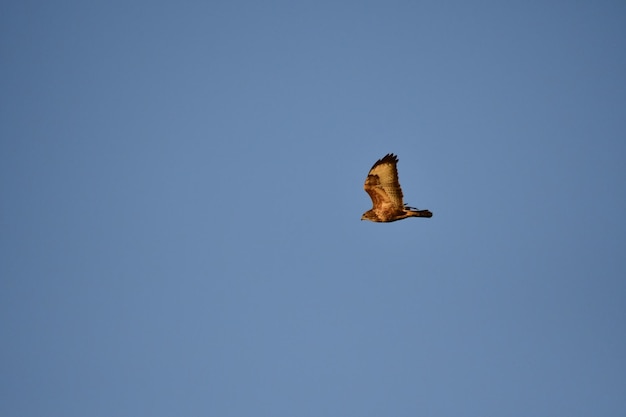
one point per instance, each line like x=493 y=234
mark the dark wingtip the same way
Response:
x=391 y=158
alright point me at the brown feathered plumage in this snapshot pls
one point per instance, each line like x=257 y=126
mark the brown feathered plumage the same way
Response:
x=383 y=187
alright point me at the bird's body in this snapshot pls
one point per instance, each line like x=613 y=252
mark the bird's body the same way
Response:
x=383 y=187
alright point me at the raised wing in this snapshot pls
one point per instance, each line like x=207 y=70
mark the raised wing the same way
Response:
x=382 y=183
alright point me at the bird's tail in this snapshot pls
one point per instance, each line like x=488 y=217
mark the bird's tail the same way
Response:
x=413 y=212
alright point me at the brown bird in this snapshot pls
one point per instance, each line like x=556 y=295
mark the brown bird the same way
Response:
x=383 y=187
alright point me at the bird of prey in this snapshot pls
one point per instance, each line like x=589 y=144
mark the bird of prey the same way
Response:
x=383 y=187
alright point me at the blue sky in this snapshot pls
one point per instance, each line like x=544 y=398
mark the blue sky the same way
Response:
x=181 y=186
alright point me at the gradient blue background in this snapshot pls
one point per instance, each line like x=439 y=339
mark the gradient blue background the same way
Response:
x=181 y=188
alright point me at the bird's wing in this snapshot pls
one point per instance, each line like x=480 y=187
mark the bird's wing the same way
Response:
x=382 y=183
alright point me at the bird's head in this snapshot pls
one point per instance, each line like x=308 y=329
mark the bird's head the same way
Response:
x=369 y=215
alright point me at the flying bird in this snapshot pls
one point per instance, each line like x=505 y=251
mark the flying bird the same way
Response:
x=383 y=187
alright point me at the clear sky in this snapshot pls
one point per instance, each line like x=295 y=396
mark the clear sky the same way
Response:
x=181 y=186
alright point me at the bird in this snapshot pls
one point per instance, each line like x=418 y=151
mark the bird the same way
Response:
x=383 y=187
